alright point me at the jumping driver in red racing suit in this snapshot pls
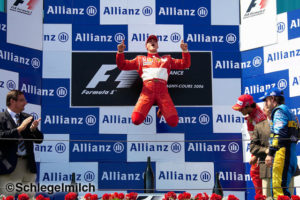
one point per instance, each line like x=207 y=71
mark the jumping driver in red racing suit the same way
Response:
x=154 y=70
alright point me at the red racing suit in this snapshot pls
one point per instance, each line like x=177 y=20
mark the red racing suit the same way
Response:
x=255 y=117
x=154 y=70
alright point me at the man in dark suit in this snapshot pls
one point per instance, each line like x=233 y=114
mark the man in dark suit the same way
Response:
x=18 y=131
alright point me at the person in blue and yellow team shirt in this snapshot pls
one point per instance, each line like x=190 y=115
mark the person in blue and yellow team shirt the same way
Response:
x=283 y=140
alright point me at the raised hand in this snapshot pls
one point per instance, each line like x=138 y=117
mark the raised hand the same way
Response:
x=35 y=124
x=121 y=47
x=184 y=46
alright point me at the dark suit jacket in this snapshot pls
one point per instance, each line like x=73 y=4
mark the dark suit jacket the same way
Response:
x=9 y=148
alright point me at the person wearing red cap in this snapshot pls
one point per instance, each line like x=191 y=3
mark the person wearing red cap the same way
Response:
x=259 y=130
x=154 y=70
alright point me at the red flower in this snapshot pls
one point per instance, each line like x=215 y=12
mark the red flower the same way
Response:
x=180 y=196
x=94 y=197
x=105 y=196
x=206 y=197
x=186 y=195
x=23 y=197
x=295 y=197
x=121 y=196
x=282 y=197
x=39 y=197
x=198 y=196
x=46 y=198
x=215 y=197
x=232 y=197
x=87 y=196
x=71 y=196
x=131 y=196
x=170 y=196
x=260 y=197
x=10 y=198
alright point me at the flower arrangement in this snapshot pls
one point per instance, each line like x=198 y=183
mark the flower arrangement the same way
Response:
x=71 y=196
x=89 y=196
x=23 y=196
x=120 y=196
x=41 y=197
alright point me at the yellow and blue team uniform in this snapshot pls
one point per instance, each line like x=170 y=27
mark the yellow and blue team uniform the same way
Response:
x=283 y=140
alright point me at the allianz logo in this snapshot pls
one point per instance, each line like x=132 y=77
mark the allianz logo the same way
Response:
x=282 y=55
x=9 y=84
x=232 y=147
x=175 y=147
x=119 y=119
x=12 y=57
x=202 y=119
x=146 y=11
x=142 y=37
x=255 y=89
x=92 y=37
x=58 y=148
x=174 y=11
x=89 y=120
x=63 y=10
x=120 y=176
x=203 y=176
x=3 y=27
x=88 y=147
x=61 y=37
x=230 y=64
x=33 y=89
x=230 y=38
x=59 y=176
x=233 y=176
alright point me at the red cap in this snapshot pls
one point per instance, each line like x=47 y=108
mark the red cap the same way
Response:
x=151 y=37
x=243 y=101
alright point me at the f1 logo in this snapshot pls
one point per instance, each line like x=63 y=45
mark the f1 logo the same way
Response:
x=252 y=4
x=100 y=76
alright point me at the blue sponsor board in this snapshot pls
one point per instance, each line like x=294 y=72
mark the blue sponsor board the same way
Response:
x=232 y=174
x=3 y=27
x=100 y=148
x=252 y=62
x=69 y=120
x=207 y=38
x=230 y=38
x=68 y=12
x=191 y=120
x=183 y=12
x=212 y=147
x=227 y=65
x=122 y=175
x=256 y=86
x=56 y=92
x=102 y=37
x=31 y=85
x=21 y=59
x=293 y=18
